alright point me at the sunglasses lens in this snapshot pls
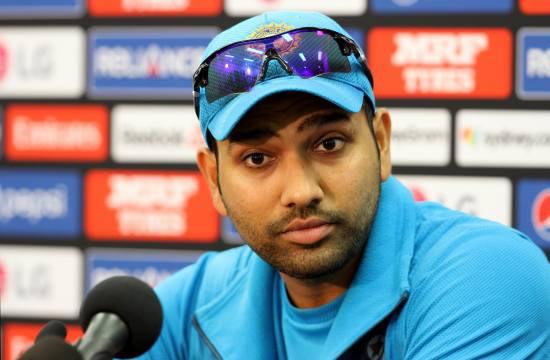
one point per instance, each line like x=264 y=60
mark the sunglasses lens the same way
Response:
x=311 y=53
x=307 y=53
x=235 y=70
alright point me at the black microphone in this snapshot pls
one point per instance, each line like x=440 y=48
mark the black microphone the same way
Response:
x=121 y=317
x=51 y=348
x=52 y=328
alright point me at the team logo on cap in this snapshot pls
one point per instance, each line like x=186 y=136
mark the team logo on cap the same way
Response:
x=540 y=215
x=267 y=30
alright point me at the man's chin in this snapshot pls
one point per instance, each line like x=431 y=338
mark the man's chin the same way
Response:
x=311 y=263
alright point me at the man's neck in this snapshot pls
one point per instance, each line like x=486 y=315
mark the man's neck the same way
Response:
x=309 y=293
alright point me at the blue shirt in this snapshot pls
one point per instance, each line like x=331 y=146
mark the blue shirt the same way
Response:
x=304 y=331
x=451 y=286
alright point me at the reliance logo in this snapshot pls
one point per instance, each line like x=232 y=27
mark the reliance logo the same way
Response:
x=533 y=70
x=150 y=61
x=143 y=63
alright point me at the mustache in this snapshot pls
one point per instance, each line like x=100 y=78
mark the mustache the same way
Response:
x=278 y=226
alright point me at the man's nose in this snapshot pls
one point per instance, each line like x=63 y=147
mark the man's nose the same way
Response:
x=301 y=184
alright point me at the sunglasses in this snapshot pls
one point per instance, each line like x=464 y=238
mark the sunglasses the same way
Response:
x=306 y=52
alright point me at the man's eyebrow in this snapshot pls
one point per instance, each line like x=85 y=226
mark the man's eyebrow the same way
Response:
x=251 y=134
x=314 y=120
x=324 y=118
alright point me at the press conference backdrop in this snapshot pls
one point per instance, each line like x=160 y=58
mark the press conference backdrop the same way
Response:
x=98 y=135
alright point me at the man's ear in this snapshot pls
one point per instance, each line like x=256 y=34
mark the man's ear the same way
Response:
x=207 y=162
x=382 y=134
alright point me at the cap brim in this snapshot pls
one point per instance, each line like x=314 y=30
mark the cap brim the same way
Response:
x=340 y=94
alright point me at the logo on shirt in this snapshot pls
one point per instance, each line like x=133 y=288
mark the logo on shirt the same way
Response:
x=442 y=63
x=375 y=348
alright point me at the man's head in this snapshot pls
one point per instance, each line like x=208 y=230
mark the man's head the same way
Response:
x=298 y=161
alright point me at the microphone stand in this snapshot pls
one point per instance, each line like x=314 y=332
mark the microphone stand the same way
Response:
x=94 y=337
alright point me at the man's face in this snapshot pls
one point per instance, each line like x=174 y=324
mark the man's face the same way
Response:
x=300 y=178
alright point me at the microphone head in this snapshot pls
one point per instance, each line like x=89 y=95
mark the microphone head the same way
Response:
x=52 y=328
x=51 y=348
x=135 y=303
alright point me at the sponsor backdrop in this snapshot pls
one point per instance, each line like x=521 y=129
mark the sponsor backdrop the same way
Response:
x=98 y=135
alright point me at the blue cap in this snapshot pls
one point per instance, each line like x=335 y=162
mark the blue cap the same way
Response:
x=345 y=90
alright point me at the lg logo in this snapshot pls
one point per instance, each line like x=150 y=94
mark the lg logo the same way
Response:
x=466 y=203
x=32 y=282
x=3 y=61
x=34 y=63
x=2 y=279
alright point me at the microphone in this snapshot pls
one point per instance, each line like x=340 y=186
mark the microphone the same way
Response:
x=52 y=328
x=121 y=317
x=50 y=344
x=51 y=348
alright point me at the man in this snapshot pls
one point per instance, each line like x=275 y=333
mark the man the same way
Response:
x=340 y=262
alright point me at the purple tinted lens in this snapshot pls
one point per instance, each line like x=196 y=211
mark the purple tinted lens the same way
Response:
x=307 y=52
x=311 y=53
x=235 y=70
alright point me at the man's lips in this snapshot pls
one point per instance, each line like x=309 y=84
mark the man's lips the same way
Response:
x=308 y=231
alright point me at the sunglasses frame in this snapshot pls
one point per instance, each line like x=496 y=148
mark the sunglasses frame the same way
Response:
x=347 y=46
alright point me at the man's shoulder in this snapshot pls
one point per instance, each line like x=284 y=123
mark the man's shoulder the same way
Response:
x=442 y=233
x=211 y=273
x=448 y=240
x=477 y=289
